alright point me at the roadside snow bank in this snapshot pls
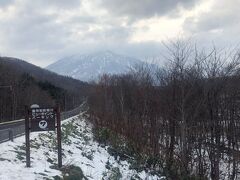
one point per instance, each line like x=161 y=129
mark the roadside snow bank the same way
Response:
x=79 y=149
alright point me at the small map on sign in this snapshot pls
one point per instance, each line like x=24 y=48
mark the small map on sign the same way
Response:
x=43 y=124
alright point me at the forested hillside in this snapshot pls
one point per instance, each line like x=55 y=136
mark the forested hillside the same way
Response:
x=183 y=120
x=23 y=84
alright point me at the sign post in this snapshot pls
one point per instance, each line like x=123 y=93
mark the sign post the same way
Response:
x=27 y=133
x=42 y=119
x=59 y=137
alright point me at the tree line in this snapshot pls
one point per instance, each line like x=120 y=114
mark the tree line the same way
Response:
x=23 y=84
x=186 y=115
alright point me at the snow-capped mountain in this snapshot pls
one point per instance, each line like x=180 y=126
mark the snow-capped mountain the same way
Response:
x=90 y=66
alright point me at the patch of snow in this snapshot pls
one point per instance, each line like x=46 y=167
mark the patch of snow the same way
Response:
x=79 y=149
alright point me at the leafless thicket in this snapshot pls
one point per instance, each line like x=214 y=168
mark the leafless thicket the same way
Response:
x=186 y=115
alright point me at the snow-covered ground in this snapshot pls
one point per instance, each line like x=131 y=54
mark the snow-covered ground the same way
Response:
x=79 y=149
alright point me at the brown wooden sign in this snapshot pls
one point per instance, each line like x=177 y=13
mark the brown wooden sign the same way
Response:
x=42 y=119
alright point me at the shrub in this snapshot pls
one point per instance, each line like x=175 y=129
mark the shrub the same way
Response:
x=73 y=172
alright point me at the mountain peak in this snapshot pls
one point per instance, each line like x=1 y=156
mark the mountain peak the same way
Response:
x=90 y=66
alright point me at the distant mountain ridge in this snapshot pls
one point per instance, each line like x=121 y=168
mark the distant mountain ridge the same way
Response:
x=21 y=66
x=87 y=67
x=22 y=83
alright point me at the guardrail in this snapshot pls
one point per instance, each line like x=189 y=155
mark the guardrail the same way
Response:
x=12 y=129
x=6 y=135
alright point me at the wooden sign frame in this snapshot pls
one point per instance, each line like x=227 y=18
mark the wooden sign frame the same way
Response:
x=35 y=123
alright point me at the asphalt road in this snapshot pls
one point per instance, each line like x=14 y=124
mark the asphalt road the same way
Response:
x=11 y=129
x=17 y=128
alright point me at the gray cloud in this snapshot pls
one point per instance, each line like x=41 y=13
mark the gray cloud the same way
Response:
x=136 y=9
x=224 y=14
x=4 y=3
x=57 y=4
x=34 y=33
x=31 y=33
x=82 y=20
x=63 y=3
x=220 y=26
x=46 y=30
x=36 y=29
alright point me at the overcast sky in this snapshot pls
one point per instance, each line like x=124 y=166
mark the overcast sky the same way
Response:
x=42 y=31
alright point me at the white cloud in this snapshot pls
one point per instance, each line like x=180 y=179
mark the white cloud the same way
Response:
x=41 y=31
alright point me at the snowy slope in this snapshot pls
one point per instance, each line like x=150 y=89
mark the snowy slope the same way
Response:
x=90 y=66
x=79 y=149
